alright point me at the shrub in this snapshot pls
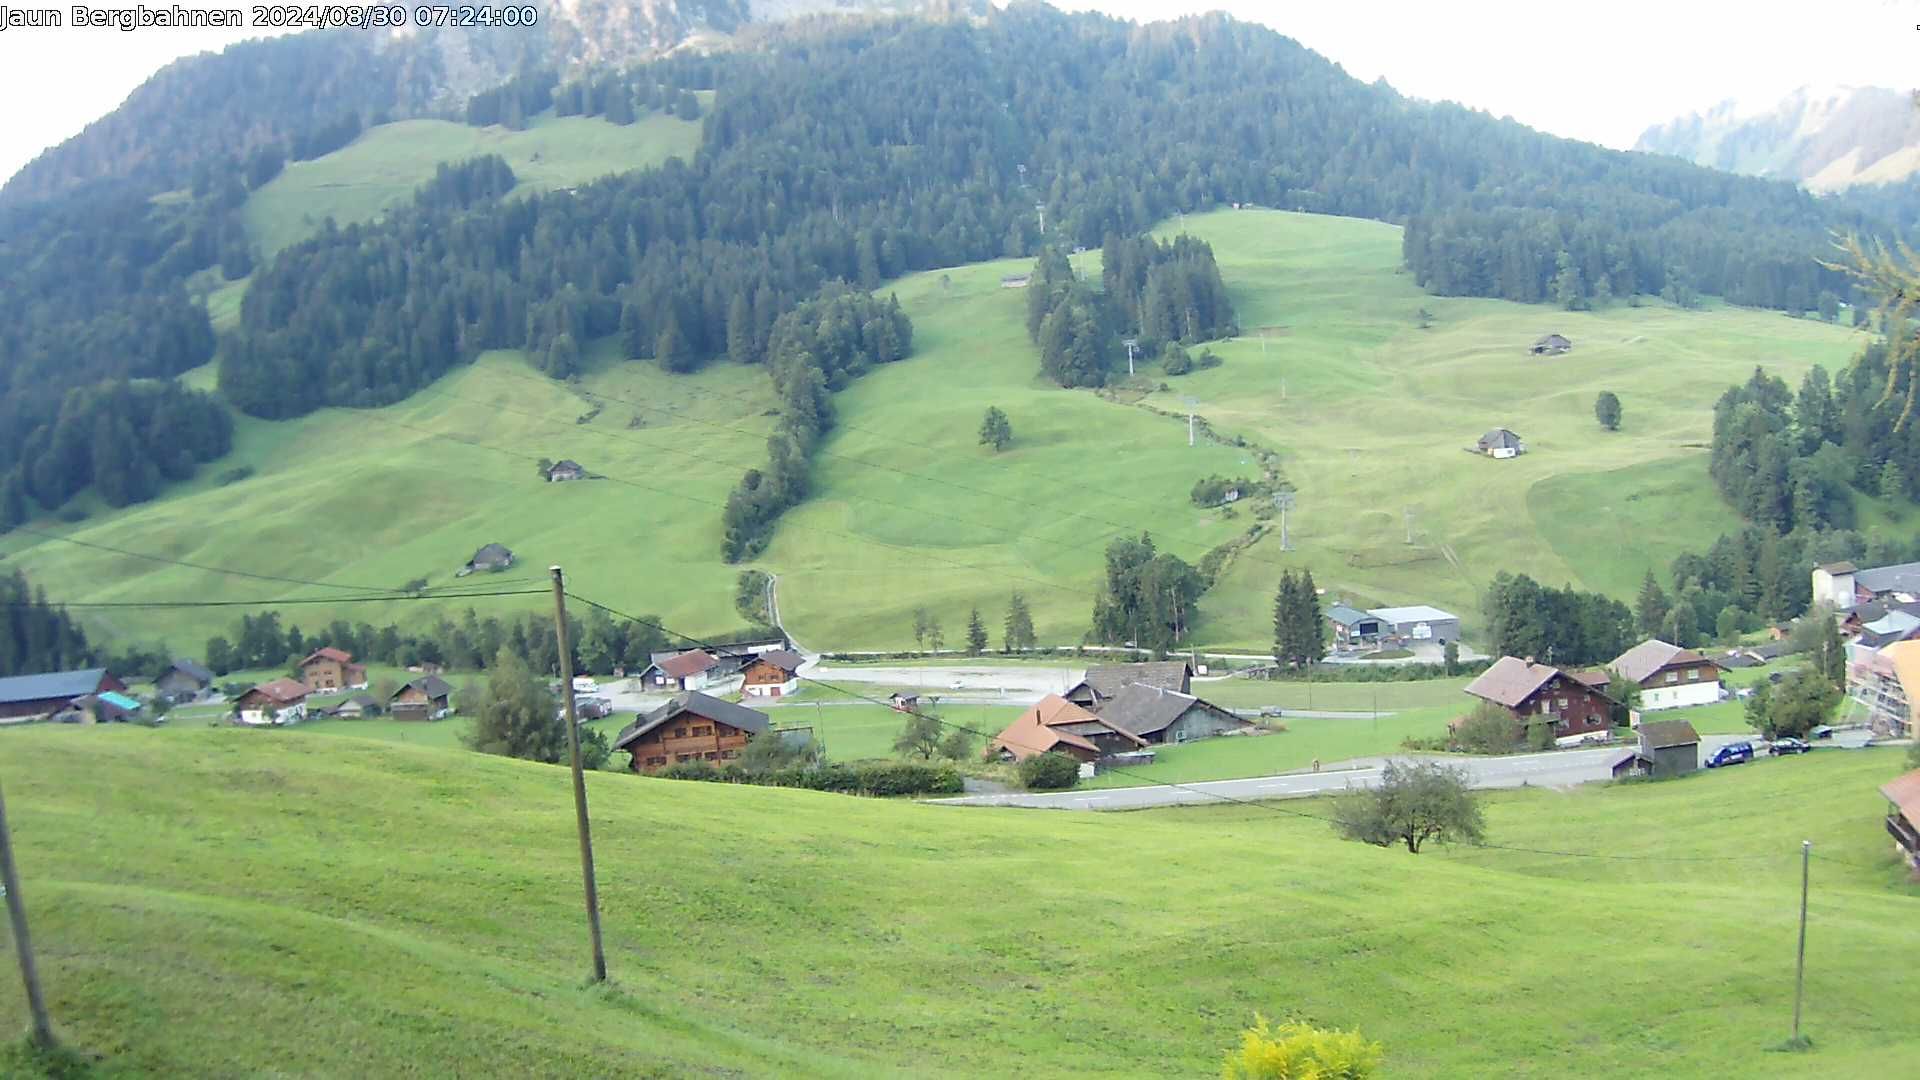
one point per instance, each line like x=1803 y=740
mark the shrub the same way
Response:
x=1051 y=771
x=690 y=770
x=1488 y=729
x=233 y=476
x=1176 y=361
x=1297 y=1051
x=594 y=748
x=1207 y=360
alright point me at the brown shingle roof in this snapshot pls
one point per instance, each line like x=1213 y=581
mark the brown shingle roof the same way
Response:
x=1511 y=681
x=1645 y=659
x=1904 y=792
x=1045 y=726
x=687 y=663
x=284 y=691
x=1664 y=734
x=328 y=653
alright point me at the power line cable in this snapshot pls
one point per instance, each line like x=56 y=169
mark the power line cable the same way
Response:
x=89 y=605
x=227 y=570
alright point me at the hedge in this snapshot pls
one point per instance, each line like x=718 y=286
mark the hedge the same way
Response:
x=867 y=778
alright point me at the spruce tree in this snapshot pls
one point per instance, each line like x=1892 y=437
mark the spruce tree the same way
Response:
x=1650 y=611
x=1311 y=624
x=976 y=633
x=1019 y=625
x=1283 y=634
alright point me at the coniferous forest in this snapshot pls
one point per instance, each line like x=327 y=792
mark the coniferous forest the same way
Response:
x=850 y=150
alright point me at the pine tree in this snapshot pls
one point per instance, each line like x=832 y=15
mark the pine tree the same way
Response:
x=1893 y=483
x=1650 y=611
x=1019 y=625
x=1831 y=657
x=741 y=343
x=1311 y=623
x=1283 y=634
x=976 y=633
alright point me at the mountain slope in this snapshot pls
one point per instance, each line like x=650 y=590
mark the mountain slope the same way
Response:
x=313 y=905
x=1828 y=138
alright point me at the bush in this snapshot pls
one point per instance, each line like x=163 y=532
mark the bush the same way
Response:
x=1176 y=361
x=1051 y=771
x=1488 y=729
x=878 y=778
x=233 y=476
x=594 y=748
x=1207 y=360
x=1297 y=1051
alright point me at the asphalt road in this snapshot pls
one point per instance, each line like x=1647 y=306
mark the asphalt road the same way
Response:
x=1562 y=768
x=961 y=682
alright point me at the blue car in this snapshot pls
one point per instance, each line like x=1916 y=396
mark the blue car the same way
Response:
x=1730 y=754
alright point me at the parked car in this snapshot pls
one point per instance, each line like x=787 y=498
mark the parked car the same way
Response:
x=1822 y=732
x=1788 y=745
x=592 y=708
x=1730 y=754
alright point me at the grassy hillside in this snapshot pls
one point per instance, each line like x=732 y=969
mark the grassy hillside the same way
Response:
x=384 y=166
x=337 y=907
x=1369 y=413
x=378 y=497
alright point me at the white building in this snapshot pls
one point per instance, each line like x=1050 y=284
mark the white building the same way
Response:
x=1418 y=623
x=1670 y=677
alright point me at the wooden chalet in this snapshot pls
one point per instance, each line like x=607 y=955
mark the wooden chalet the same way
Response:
x=426 y=698
x=690 y=727
x=282 y=701
x=1550 y=345
x=1157 y=715
x=1538 y=693
x=772 y=674
x=329 y=668
x=1669 y=676
x=1056 y=725
x=183 y=680
x=1903 y=819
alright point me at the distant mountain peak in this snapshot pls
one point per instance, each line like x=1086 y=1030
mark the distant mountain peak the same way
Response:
x=1825 y=136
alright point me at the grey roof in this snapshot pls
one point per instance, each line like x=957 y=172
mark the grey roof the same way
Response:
x=492 y=553
x=1739 y=658
x=1665 y=734
x=50 y=686
x=1346 y=615
x=784 y=659
x=432 y=685
x=1108 y=680
x=1499 y=437
x=752 y=721
x=1143 y=709
x=1901 y=577
x=188 y=667
x=1894 y=622
x=1841 y=567
x=1414 y=613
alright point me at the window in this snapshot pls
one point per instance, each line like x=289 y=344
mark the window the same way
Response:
x=1563 y=703
x=703 y=730
x=1673 y=676
x=679 y=733
x=683 y=757
x=710 y=755
x=726 y=754
x=657 y=760
x=1693 y=674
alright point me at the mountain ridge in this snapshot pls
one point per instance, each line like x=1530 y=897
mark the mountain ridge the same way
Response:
x=1827 y=138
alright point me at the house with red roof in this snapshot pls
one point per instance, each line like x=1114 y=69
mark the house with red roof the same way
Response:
x=694 y=669
x=1056 y=725
x=282 y=701
x=329 y=668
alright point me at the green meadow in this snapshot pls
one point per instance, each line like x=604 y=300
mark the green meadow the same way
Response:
x=383 y=167
x=1368 y=412
x=227 y=902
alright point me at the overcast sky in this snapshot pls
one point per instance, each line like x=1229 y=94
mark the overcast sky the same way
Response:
x=1596 y=72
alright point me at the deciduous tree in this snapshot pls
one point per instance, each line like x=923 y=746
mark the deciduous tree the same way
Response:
x=1606 y=409
x=1412 y=804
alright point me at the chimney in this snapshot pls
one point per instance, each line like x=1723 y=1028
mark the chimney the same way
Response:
x=1529 y=661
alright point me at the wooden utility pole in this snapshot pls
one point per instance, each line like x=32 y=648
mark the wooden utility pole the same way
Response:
x=1800 y=962
x=579 y=778
x=22 y=941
